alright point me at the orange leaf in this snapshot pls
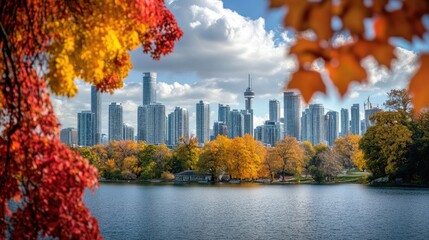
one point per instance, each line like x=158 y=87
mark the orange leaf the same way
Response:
x=379 y=5
x=320 y=20
x=399 y=25
x=296 y=14
x=308 y=83
x=354 y=16
x=381 y=28
x=278 y=3
x=344 y=71
x=419 y=85
x=362 y=48
x=306 y=51
x=383 y=53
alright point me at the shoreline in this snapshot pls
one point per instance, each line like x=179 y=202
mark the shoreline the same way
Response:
x=165 y=182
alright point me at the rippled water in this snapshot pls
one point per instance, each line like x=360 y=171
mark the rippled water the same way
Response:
x=133 y=211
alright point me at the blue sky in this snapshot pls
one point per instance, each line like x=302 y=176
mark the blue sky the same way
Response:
x=223 y=42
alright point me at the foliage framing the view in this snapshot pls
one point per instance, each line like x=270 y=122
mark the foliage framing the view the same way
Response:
x=343 y=62
x=46 y=45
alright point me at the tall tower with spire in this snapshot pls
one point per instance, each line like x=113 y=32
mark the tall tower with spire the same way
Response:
x=248 y=112
x=249 y=95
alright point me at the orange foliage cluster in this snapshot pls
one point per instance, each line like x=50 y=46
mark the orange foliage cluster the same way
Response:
x=45 y=178
x=344 y=62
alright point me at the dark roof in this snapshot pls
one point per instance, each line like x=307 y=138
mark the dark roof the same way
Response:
x=186 y=173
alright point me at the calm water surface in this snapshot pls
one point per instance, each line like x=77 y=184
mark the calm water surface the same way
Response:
x=133 y=211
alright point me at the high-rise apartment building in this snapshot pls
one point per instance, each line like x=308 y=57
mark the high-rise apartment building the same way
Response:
x=355 y=119
x=306 y=125
x=368 y=113
x=274 y=107
x=203 y=122
x=85 y=128
x=269 y=133
x=317 y=122
x=115 y=122
x=127 y=132
x=151 y=124
x=236 y=124
x=96 y=109
x=68 y=136
x=345 y=121
x=223 y=113
x=220 y=128
x=331 y=127
x=292 y=105
x=149 y=88
x=178 y=125
x=248 y=122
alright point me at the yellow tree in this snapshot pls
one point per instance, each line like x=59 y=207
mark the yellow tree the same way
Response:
x=215 y=156
x=347 y=148
x=291 y=156
x=326 y=19
x=257 y=154
x=272 y=163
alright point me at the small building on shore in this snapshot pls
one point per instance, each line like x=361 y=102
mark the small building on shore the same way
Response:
x=191 y=176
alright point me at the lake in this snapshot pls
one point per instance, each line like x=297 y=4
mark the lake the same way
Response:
x=253 y=211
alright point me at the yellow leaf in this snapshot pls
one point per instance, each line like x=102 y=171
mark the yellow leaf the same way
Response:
x=345 y=70
x=308 y=83
x=419 y=85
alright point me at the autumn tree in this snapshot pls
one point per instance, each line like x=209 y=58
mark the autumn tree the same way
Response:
x=272 y=163
x=347 y=148
x=386 y=145
x=398 y=100
x=214 y=156
x=291 y=156
x=185 y=155
x=330 y=166
x=316 y=25
x=45 y=46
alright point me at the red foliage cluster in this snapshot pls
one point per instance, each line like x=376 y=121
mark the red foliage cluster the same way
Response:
x=45 y=178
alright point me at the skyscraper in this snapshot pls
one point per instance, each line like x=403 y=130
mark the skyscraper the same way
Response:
x=306 y=125
x=115 y=122
x=248 y=122
x=269 y=133
x=223 y=113
x=248 y=113
x=317 y=122
x=292 y=105
x=203 y=122
x=274 y=107
x=85 y=128
x=96 y=109
x=142 y=123
x=68 y=136
x=171 y=126
x=345 y=120
x=149 y=88
x=151 y=123
x=219 y=128
x=179 y=122
x=355 y=120
x=331 y=127
x=236 y=124
x=368 y=113
x=127 y=132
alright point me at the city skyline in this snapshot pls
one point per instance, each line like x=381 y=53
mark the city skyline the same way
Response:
x=210 y=76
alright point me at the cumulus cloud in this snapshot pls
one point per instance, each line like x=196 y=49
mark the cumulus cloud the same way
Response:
x=211 y=62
